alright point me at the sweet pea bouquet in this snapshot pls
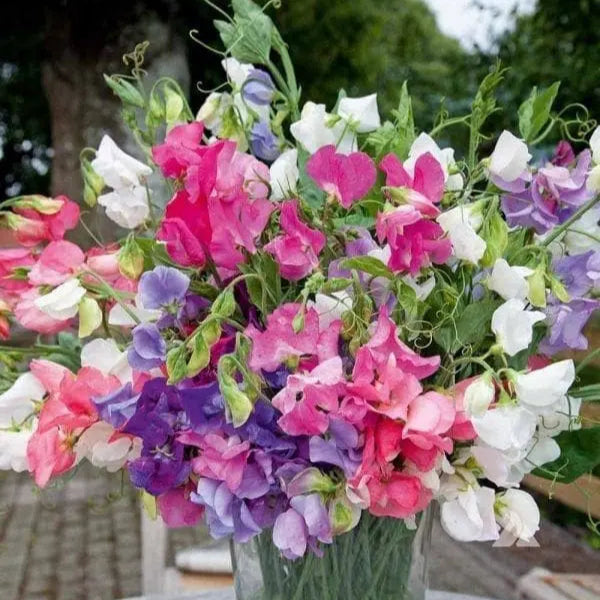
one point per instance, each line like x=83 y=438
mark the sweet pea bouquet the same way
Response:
x=313 y=319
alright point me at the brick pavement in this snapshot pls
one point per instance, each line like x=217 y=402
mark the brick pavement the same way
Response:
x=72 y=542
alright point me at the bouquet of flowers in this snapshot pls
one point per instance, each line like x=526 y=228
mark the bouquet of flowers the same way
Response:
x=315 y=323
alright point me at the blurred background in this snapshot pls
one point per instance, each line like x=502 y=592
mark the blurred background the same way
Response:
x=75 y=542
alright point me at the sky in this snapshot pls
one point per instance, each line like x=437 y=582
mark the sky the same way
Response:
x=462 y=20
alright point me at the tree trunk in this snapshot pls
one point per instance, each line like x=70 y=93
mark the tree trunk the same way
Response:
x=81 y=47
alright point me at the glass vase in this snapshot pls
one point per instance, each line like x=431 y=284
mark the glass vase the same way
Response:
x=380 y=559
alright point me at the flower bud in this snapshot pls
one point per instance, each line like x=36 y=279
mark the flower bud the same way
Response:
x=41 y=204
x=537 y=287
x=479 y=395
x=90 y=316
x=174 y=105
x=126 y=91
x=131 y=259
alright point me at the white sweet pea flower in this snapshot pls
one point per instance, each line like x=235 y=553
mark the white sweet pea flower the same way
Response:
x=211 y=111
x=16 y=403
x=589 y=223
x=509 y=282
x=284 y=174
x=506 y=427
x=311 y=130
x=331 y=307
x=559 y=417
x=470 y=214
x=316 y=128
x=466 y=244
x=509 y=158
x=501 y=467
x=513 y=325
x=94 y=445
x=425 y=143
x=13 y=450
x=595 y=145
x=546 y=386
x=116 y=167
x=361 y=112
x=543 y=451
x=479 y=395
x=422 y=288
x=470 y=516
x=518 y=513
x=127 y=207
x=104 y=355
x=119 y=317
x=62 y=302
x=237 y=72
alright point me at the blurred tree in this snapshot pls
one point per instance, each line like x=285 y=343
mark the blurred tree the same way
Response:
x=52 y=58
x=558 y=41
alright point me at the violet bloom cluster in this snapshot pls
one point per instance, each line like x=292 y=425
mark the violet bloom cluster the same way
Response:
x=581 y=276
x=547 y=197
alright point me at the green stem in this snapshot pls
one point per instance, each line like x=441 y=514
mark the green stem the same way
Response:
x=576 y=215
x=589 y=358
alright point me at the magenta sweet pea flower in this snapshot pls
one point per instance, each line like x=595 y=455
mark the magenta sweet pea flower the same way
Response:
x=180 y=149
x=345 y=177
x=424 y=189
x=415 y=242
x=297 y=250
x=279 y=342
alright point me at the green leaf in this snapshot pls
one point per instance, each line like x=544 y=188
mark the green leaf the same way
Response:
x=495 y=234
x=249 y=37
x=535 y=111
x=579 y=455
x=470 y=327
x=177 y=364
x=204 y=289
x=264 y=290
x=368 y=264
x=126 y=91
x=336 y=284
x=224 y=305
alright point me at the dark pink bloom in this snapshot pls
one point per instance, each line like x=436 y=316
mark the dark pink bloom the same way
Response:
x=345 y=177
x=11 y=259
x=297 y=250
x=424 y=189
x=176 y=508
x=415 y=242
x=180 y=149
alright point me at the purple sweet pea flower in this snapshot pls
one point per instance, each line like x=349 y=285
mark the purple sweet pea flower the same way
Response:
x=579 y=273
x=259 y=88
x=162 y=287
x=118 y=407
x=566 y=325
x=148 y=348
x=263 y=142
x=549 y=197
x=301 y=526
x=161 y=471
x=340 y=450
x=563 y=154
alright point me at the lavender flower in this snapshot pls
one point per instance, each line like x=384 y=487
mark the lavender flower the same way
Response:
x=263 y=142
x=148 y=348
x=162 y=287
x=259 y=88
x=580 y=273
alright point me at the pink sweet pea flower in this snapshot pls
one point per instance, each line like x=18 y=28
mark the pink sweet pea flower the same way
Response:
x=424 y=189
x=180 y=149
x=297 y=250
x=32 y=227
x=66 y=413
x=279 y=342
x=29 y=316
x=385 y=341
x=222 y=458
x=386 y=490
x=12 y=286
x=176 y=508
x=58 y=262
x=345 y=177
x=50 y=374
x=462 y=429
x=415 y=242
x=307 y=399
x=384 y=387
